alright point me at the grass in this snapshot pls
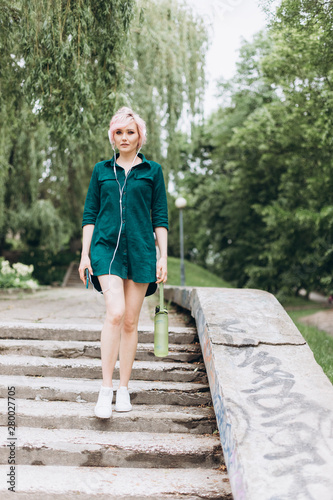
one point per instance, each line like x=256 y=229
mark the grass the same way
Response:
x=320 y=343
x=294 y=302
x=194 y=275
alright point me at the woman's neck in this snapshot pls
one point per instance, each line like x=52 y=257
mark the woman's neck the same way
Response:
x=128 y=160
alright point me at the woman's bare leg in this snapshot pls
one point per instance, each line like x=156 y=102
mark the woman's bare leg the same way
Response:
x=134 y=295
x=113 y=291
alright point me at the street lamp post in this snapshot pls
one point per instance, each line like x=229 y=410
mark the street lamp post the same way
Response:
x=180 y=204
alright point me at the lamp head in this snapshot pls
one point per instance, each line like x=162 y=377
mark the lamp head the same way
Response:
x=180 y=202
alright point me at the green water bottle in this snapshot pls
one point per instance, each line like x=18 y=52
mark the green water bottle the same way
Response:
x=161 y=334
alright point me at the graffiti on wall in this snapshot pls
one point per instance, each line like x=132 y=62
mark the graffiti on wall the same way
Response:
x=231 y=457
x=297 y=430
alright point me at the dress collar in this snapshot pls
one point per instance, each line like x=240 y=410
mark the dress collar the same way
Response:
x=140 y=155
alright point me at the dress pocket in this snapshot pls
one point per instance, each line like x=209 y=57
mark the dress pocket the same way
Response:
x=143 y=182
x=108 y=188
x=110 y=177
x=143 y=175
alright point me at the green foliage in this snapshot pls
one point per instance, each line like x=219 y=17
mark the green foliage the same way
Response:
x=42 y=226
x=73 y=57
x=49 y=266
x=166 y=72
x=65 y=68
x=59 y=77
x=260 y=179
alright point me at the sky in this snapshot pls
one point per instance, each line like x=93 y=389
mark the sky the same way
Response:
x=231 y=21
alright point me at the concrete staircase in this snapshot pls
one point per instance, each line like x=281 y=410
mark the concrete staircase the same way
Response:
x=72 y=278
x=167 y=447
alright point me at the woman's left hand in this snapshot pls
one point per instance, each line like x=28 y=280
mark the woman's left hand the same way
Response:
x=162 y=270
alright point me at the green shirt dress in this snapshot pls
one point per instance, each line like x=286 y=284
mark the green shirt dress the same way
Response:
x=144 y=207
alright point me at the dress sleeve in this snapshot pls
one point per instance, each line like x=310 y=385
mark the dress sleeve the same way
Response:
x=92 y=203
x=159 y=201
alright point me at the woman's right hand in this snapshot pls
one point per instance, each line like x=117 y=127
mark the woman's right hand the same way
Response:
x=84 y=264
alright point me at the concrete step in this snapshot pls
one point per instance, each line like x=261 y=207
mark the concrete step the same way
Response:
x=73 y=278
x=84 y=389
x=44 y=331
x=74 y=284
x=56 y=372
x=70 y=483
x=74 y=415
x=76 y=447
x=89 y=349
x=91 y=368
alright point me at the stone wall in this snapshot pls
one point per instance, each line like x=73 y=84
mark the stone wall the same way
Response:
x=273 y=403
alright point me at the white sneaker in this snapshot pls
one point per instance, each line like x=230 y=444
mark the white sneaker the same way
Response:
x=103 y=407
x=123 y=402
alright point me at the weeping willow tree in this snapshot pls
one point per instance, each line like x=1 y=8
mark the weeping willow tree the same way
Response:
x=65 y=68
x=73 y=53
x=10 y=99
x=165 y=77
x=61 y=74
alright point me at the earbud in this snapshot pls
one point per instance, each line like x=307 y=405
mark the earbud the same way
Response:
x=109 y=134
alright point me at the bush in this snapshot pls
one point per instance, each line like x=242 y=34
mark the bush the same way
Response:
x=16 y=276
x=49 y=267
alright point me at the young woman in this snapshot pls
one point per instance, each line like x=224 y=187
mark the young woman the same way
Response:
x=125 y=204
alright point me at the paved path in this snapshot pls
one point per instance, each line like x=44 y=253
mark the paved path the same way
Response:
x=81 y=306
x=70 y=306
x=323 y=320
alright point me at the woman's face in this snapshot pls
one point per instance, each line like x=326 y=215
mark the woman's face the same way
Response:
x=127 y=138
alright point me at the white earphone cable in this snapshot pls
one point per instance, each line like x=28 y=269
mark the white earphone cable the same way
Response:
x=121 y=190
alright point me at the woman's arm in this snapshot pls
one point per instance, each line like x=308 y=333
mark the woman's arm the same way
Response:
x=90 y=213
x=162 y=242
x=88 y=230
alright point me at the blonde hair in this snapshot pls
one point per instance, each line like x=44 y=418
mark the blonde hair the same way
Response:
x=122 y=118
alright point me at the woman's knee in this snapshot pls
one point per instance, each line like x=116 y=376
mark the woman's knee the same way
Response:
x=130 y=324
x=114 y=316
